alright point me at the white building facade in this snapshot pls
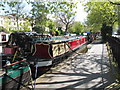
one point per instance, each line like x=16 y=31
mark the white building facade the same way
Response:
x=10 y=23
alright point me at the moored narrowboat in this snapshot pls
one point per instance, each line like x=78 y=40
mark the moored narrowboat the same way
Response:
x=14 y=73
x=46 y=49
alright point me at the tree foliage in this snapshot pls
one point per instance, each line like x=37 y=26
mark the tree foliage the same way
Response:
x=39 y=13
x=25 y=26
x=64 y=12
x=115 y=3
x=2 y=29
x=39 y=29
x=51 y=25
x=77 y=27
x=101 y=12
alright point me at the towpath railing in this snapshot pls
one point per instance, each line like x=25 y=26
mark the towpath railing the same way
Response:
x=114 y=44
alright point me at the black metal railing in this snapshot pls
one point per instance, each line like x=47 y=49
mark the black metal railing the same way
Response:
x=114 y=44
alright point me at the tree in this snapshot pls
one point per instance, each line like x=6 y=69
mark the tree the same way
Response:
x=95 y=27
x=39 y=29
x=77 y=27
x=101 y=12
x=2 y=29
x=51 y=25
x=25 y=26
x=118 y=5
x=39 y=14
x=115 y=3
x=64 y=12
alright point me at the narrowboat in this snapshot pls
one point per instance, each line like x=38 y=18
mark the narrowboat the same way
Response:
x=46 y=49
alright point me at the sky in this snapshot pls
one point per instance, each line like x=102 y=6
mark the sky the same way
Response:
x=81 y=15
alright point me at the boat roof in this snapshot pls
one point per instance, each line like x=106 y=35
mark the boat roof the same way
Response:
x=57 y=39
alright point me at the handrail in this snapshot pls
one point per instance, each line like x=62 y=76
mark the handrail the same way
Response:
x=15 y=63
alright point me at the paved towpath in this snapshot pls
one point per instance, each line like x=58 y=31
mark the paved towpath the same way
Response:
x=85 y=71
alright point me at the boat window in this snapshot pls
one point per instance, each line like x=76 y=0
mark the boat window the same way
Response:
x=3 y=37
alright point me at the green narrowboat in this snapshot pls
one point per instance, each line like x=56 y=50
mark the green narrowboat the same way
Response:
x=14 y=74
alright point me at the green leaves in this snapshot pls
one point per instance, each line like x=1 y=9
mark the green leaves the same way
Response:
x=76 y=28
x=65 y=13
x=39 y=14
x=101 y=12
x=51 y=25
x=2 y=29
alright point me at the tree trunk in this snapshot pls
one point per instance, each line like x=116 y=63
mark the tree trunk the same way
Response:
x=66 y=28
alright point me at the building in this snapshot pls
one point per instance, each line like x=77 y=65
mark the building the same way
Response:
x=10 y=23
